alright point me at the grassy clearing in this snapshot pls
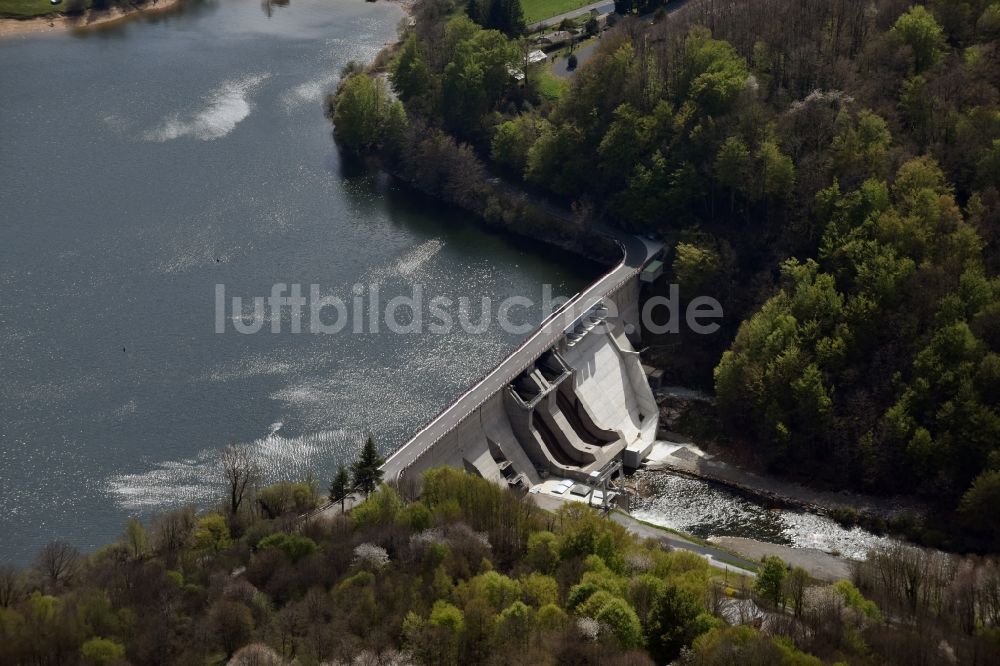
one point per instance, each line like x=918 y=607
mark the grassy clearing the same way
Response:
x=550 y=86
x=539 y=10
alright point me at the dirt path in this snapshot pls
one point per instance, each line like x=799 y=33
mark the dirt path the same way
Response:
x=821 y=566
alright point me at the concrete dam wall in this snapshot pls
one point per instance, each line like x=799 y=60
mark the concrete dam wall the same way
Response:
x=568 y=401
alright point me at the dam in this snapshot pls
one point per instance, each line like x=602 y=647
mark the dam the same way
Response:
x=570 y=402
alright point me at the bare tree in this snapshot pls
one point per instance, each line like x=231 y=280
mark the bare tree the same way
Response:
x=58 y=562
x=172 y=530
x=241 y=472
x=11 y=586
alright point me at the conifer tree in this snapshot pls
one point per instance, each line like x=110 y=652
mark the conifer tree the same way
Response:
x=366 y=469
x=340 y=486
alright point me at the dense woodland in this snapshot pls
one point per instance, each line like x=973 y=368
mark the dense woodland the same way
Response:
x=829 y=170
x=470 y=573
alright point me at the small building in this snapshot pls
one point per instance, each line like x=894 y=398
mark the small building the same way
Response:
x=651 y=272
x=536 y=56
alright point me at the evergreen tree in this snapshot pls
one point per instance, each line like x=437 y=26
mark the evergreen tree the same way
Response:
x=340 y=486
x=366 y=469
x=507 y=16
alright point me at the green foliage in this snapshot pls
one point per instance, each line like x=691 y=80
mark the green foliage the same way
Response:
x=445 y=615
x=366 y=470
x=411 y=76
x=485 y=506
x=134 y=539
x=514 y=138
x=786 y=157
x=416 y=516
x=294 y=546
x=284 y=497
x=583 y=533
x=770 y=580
x=745 y=645
x=340 y=486
x=696 y=267
x=712 y=74
x=514 y=621
x=503 y=15
x=854 y=599
x=980 y=505
x=444 y=602
x=543 y=552
x=617 y=615
x=676 y=619
x=989 y=22
x=551 y=617
x=366 y=118
x=555 y=159
x=381 y=508
x=539 y=590
x=476 y=76
x=499 y=590
x=101 y=651
x=918 y=30
x=211 y=534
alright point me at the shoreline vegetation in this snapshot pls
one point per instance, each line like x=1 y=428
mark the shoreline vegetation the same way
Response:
x=469 y=573
x=843 y=207
x=87 y=19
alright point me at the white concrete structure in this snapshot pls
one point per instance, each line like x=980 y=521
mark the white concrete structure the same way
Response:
x=567 y=402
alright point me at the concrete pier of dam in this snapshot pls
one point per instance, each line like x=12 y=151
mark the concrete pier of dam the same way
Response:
x=571 y=399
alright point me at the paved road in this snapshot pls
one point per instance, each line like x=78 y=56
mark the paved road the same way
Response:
x=602 y=7
x=636 y=252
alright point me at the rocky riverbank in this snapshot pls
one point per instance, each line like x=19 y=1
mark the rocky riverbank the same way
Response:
x=694 y=457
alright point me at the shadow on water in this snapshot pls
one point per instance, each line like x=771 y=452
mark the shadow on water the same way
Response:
x=369 y=188
x=268 y=6
x=187 y=9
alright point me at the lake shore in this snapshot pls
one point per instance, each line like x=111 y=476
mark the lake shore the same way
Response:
x=89 y=19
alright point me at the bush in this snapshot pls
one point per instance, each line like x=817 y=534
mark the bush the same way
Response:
x=616 y=615
x=281 y=498
x=211 y=534
x=380 y=509
x=101 y=651
x=293 y=545
x=551 y=617
x=496 y=588
x=540 y=590
x=543 y=552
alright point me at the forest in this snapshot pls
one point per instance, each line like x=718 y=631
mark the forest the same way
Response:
x=828 y=170
x=469 y=573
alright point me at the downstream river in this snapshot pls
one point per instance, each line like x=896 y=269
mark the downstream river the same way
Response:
x=708 y=510
x=143 y=165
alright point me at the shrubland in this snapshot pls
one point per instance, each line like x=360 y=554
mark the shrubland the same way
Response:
x=471 y=573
